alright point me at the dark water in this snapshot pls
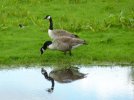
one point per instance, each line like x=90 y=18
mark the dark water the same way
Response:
x=100 y=83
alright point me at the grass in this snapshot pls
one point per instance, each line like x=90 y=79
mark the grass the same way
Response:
x=108 y=27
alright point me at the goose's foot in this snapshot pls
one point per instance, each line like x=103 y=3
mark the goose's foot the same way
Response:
x=50 y=90
x=70 y=53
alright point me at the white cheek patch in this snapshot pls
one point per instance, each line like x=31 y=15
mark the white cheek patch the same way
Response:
x=48 y=17
x=42 y=49
x=43 y=72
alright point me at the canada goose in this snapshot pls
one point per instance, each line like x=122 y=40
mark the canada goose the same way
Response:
x=63 y=44
x=65 y=75
x=57 y=33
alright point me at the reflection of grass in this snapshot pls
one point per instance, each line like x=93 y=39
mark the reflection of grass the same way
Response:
x=107 y=25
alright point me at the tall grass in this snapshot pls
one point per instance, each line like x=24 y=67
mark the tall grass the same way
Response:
x=22 y=11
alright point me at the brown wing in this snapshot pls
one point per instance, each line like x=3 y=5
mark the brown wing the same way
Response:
x=76 y=41
x=64 y=33
x=62 y=43
x=68 y=41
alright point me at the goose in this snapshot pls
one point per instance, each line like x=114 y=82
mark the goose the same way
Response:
x=57 y=33
x=63 y=44
x=62 y=75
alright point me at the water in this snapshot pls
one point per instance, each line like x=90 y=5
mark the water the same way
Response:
x=100 y=83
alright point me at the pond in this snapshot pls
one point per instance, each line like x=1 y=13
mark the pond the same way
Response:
x=84 y=83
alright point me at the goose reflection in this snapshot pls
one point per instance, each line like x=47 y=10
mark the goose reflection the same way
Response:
x=65 y=75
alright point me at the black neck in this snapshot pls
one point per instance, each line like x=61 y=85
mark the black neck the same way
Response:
x=51 y=24
x=46 y=75
x=49 y=79
x=44 y=47
x=47 y=43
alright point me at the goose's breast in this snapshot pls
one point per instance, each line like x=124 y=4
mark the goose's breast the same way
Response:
x=51 y=34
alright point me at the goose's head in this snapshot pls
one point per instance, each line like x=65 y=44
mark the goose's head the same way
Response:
x=43 y=71
x=48 y=17
x=45 y=45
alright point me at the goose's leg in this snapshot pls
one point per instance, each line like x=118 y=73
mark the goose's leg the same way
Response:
x=65 y=53
x=70 y=53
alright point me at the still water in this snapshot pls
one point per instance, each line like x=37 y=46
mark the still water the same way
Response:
x=85 y=83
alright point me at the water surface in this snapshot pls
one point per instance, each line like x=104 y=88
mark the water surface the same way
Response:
x=100 y=83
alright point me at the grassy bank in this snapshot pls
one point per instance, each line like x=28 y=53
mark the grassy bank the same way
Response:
x=108 y=27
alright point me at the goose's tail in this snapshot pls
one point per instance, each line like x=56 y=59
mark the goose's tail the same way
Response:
x=85 y=43
x=76 y=36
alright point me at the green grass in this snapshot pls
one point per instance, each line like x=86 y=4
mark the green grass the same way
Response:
x=107 y=26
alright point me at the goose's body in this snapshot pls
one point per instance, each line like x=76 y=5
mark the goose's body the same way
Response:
x=57 y=33
x=65 y=75
x=63 y=44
